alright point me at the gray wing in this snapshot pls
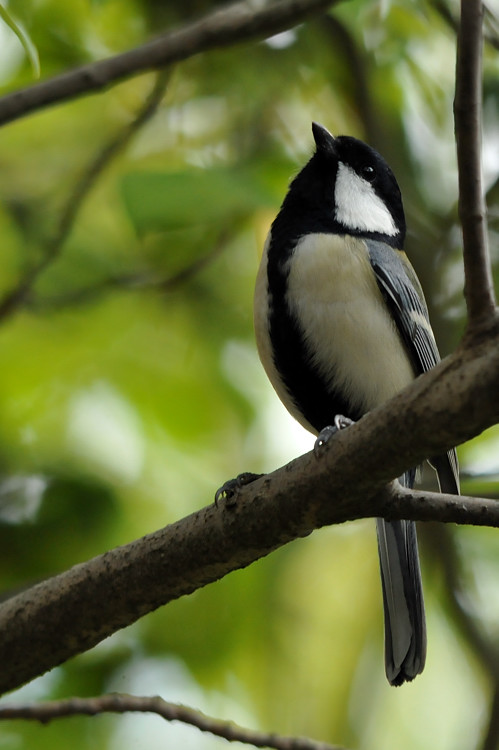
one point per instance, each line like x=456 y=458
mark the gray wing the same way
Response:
x=405 y=630
x=402 y=293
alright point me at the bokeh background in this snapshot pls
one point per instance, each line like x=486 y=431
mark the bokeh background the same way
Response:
x=130 y=387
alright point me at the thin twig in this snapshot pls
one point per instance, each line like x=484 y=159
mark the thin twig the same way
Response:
x=445 y=13
x=120 y=704
x=103 y=159
x=340 y=38
x=131 y=282
x=478 y=287
x=17 y=296
x=224 y=27
x=439 y=506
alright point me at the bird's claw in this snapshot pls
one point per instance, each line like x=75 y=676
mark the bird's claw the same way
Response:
x=232 y=486
x=339 y=423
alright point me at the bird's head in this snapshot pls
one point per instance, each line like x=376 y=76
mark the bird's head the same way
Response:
x=348 y=188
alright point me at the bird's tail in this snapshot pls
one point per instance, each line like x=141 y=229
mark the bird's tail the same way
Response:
x=405 y=627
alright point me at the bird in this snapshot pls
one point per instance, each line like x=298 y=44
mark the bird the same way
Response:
x=341 y=326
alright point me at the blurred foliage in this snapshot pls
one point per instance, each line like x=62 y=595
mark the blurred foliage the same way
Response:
x=130 y=387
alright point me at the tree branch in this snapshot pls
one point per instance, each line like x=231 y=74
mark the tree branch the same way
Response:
x=130 y=282
x=444 y=12
x=340 y=38
x=120 y=704
x=478 y=286
x=223 y=28
x=453 y=402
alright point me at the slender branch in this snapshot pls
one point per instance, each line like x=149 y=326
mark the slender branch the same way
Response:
x=444 y=12
x=451 y=403
x=120 y=704
x=224 y=27
x=17 y=296
x=131 y=282
x=422 y=505
x=340 y=38
x=478 y=287
x=102 y=160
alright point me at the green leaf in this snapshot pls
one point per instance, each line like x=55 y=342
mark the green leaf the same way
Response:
x=163 y=201
x=29 y=47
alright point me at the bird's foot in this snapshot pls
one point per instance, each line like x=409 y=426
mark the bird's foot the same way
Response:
x=232 y=486
x=339 y=423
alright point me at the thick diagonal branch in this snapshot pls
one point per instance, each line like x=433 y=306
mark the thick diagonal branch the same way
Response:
x=66 y=615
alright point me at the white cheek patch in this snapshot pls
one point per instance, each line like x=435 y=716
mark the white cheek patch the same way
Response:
x=358 y=207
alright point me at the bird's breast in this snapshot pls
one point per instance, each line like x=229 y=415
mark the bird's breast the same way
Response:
x=348 y=332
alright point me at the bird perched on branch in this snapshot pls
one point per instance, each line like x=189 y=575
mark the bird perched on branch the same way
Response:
x=341 y=326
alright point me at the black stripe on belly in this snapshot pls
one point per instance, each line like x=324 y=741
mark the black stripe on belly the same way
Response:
x=315 y=400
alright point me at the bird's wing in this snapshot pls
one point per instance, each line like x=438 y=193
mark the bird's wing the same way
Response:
x=403 y=295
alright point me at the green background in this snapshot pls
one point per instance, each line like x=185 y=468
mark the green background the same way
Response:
x=130 y=387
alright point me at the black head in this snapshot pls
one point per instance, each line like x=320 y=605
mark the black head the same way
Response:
x=347 y=188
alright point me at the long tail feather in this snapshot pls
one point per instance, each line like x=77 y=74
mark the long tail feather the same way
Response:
x=405 y=626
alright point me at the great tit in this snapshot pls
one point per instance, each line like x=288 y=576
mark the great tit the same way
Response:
x=341 y=326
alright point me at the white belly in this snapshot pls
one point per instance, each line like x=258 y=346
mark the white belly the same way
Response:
x=348 y=329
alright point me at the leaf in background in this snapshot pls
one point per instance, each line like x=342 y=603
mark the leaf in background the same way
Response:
x=29 y=47
x=161 y=201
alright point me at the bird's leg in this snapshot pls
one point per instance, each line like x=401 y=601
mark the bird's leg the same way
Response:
x=339 y=423
x=231 y=486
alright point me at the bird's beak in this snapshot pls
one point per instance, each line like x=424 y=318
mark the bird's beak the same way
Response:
x=324 y=140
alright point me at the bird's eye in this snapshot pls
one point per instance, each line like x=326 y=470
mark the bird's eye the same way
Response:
x=368 y=173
